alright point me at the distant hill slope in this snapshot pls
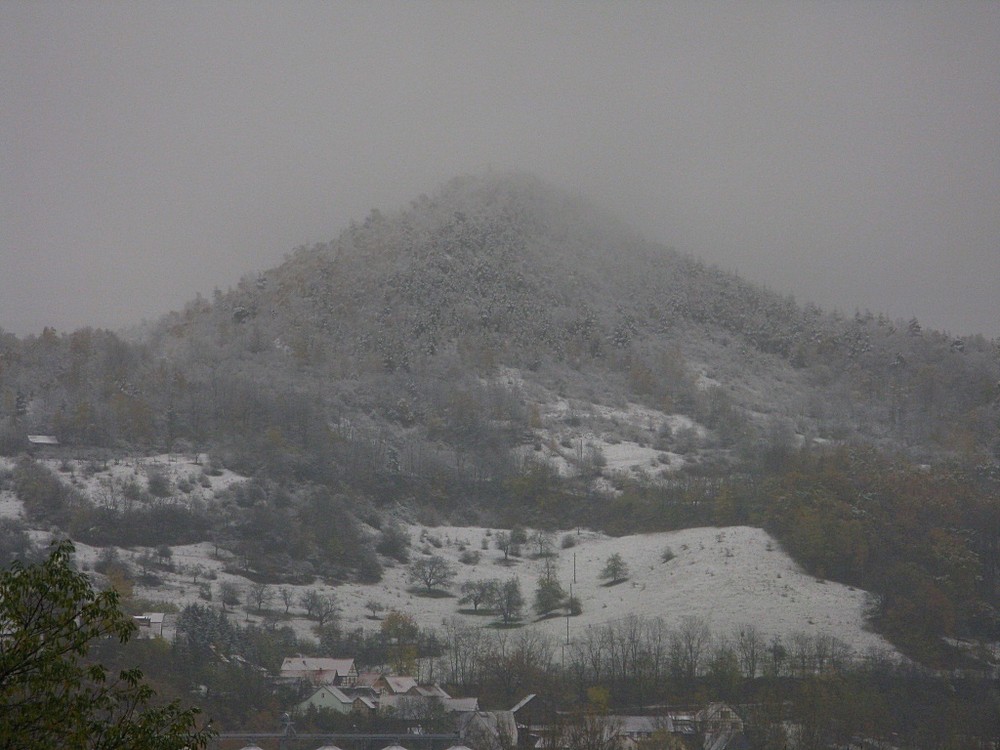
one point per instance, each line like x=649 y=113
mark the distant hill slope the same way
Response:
x=730 y=578
x=506 y=270
x=404 y=328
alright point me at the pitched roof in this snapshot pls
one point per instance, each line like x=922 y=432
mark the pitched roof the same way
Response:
x=523 y=702
x=461 y=704
x=637 y=724
x=432 y=691
x=400 y=683
x=337 y=693
x=315 y=668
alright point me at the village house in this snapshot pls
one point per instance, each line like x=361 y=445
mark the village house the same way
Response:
x=348 y=701
x=339 y=687
x=149 y=624
x=488 y=728
x=415 y=705
x=318 y=671
x=720 y=725
x=43 y=440
x=635 y=729
x=388 y=684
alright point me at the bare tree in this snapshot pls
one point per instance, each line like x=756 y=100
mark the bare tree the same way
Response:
x=688 y=646
x=749 y=650
x=592 y=730
x=287 y=597
x=516 y=659
x=543 y=542
x=465 y=652
x=310 y=601
x=431 y=571
x=326 y=610
x=260 y=594
x=196 y=572
x=505 y=545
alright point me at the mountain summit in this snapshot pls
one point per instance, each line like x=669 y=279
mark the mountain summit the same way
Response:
x=505 y=271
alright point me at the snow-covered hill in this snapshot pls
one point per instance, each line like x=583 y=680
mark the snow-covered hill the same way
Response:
x=730 y=577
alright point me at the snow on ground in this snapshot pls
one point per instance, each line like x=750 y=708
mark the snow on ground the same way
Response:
x=97 y=479
x=571 y=432
x=729 y=576
x=10 y=506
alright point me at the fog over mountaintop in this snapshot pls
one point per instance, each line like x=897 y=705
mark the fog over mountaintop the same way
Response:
x=841 y=152
x=505 y=270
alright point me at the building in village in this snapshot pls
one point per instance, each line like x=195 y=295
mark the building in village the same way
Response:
x=318 y=671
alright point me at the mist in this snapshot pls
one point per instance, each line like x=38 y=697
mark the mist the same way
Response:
x=846 y=153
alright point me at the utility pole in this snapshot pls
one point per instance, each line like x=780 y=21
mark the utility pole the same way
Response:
x=567 y=614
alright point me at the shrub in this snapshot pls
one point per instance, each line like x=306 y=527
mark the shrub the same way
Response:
x=159 y=485
x=469 y=557
x=394 y=542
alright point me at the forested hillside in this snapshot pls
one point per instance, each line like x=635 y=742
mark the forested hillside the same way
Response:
x=458 y=360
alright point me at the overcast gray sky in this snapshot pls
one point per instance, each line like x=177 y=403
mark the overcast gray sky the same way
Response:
x=845 y=152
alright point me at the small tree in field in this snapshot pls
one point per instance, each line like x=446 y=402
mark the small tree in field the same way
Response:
x=508 y=601
x=260 y=594
x=431 y=571
x=326 y=611
x=229 y=592
x=615 y=569
x=310 y=601
x=549 y=595
x=479 y=592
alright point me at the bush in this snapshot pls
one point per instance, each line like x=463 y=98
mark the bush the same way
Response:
x=394 y=542
x=107 y=559
x=469 y=557
x=15 y=544
x=367 y=566
x=667 y=555
x=568 y=540
x=159 y=485
x=46 y=499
